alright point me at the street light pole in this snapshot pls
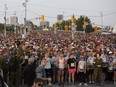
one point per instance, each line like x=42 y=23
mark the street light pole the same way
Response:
x=102 y=21
x=25 y=19
x=84 y=25
x=5 y=21
x=15 y=22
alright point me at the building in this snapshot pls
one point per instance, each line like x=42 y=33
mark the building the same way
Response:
x=114 y=29
x=44 y=24
x=13 y=20
x=59 y=17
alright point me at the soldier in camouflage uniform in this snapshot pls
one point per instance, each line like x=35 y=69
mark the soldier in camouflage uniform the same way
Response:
x=97 y=69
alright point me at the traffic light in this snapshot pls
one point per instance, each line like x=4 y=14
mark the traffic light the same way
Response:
x=85 y=23
x=42 y=18
x=54 y=24
x=73 y=19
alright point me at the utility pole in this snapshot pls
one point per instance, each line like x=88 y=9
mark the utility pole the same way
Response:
x=102 y=21
x=25 y=19
x=63 y=16
x=5 y=21
x=15 y=22
x=84 y=26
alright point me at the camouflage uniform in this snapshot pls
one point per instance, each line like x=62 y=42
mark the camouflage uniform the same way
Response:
x=97 y=70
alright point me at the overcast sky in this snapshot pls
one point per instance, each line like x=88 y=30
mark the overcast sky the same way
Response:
x=50 y=8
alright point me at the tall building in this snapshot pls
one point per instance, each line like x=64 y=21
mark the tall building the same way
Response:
x=59 y=17
x=13 y=20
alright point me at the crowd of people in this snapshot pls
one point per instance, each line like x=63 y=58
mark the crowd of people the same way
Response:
x=49 y=58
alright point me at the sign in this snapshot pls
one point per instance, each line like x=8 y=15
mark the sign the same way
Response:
x=73 y=19
x=66 y=28
x=59 y=17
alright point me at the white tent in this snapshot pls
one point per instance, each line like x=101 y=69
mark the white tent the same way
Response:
x=114 y=29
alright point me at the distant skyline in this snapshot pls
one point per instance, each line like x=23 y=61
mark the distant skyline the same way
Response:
x=51 y=8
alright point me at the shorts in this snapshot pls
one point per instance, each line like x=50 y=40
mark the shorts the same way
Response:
x=72 y=71
x=61 y=69
x=90 y=71
x=104 y=69
x=115 y=70
x=54 y=69
x=65 y=69
x=48 y=73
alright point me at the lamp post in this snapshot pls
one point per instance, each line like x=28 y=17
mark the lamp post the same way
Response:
x=73 y=19
x=5 y=21
x=25 y=19
x=84 y=26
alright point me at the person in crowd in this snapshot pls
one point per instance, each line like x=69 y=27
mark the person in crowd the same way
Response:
x=97 y=69
x=90 y=67
x=41 y=74
x=104 y=58
x=66 y=56
x=13 y=70
x=61 y=66
x=29 y=73
x=114 y=66
x=23 y=62
x=1 y=79
x=81 y=70
x=71 y=68
x=47 y=67
x=110 y=70
x=37 y=83
x=5 y=67
x=55 y=67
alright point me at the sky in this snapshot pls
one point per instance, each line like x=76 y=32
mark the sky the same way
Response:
x=51 y=8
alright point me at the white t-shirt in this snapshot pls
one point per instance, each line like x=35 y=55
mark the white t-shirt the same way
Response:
x=110 y=65
x=61 y=63
x=55 y=60
x=48 y=64
x=104 y=58
x=81 y=65
x=90 y=61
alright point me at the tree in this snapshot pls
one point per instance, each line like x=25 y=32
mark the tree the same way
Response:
x=79 y=23
x=30 y=24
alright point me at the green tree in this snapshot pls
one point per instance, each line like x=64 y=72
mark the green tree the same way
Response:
x=30 y=24
x=1 y=27
x=79 y=23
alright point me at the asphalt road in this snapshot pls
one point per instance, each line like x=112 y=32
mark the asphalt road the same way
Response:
x=77 y=85
x=89 y=85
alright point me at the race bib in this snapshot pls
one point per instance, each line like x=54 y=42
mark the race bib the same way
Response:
x=81 y=66
x=72 y=65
